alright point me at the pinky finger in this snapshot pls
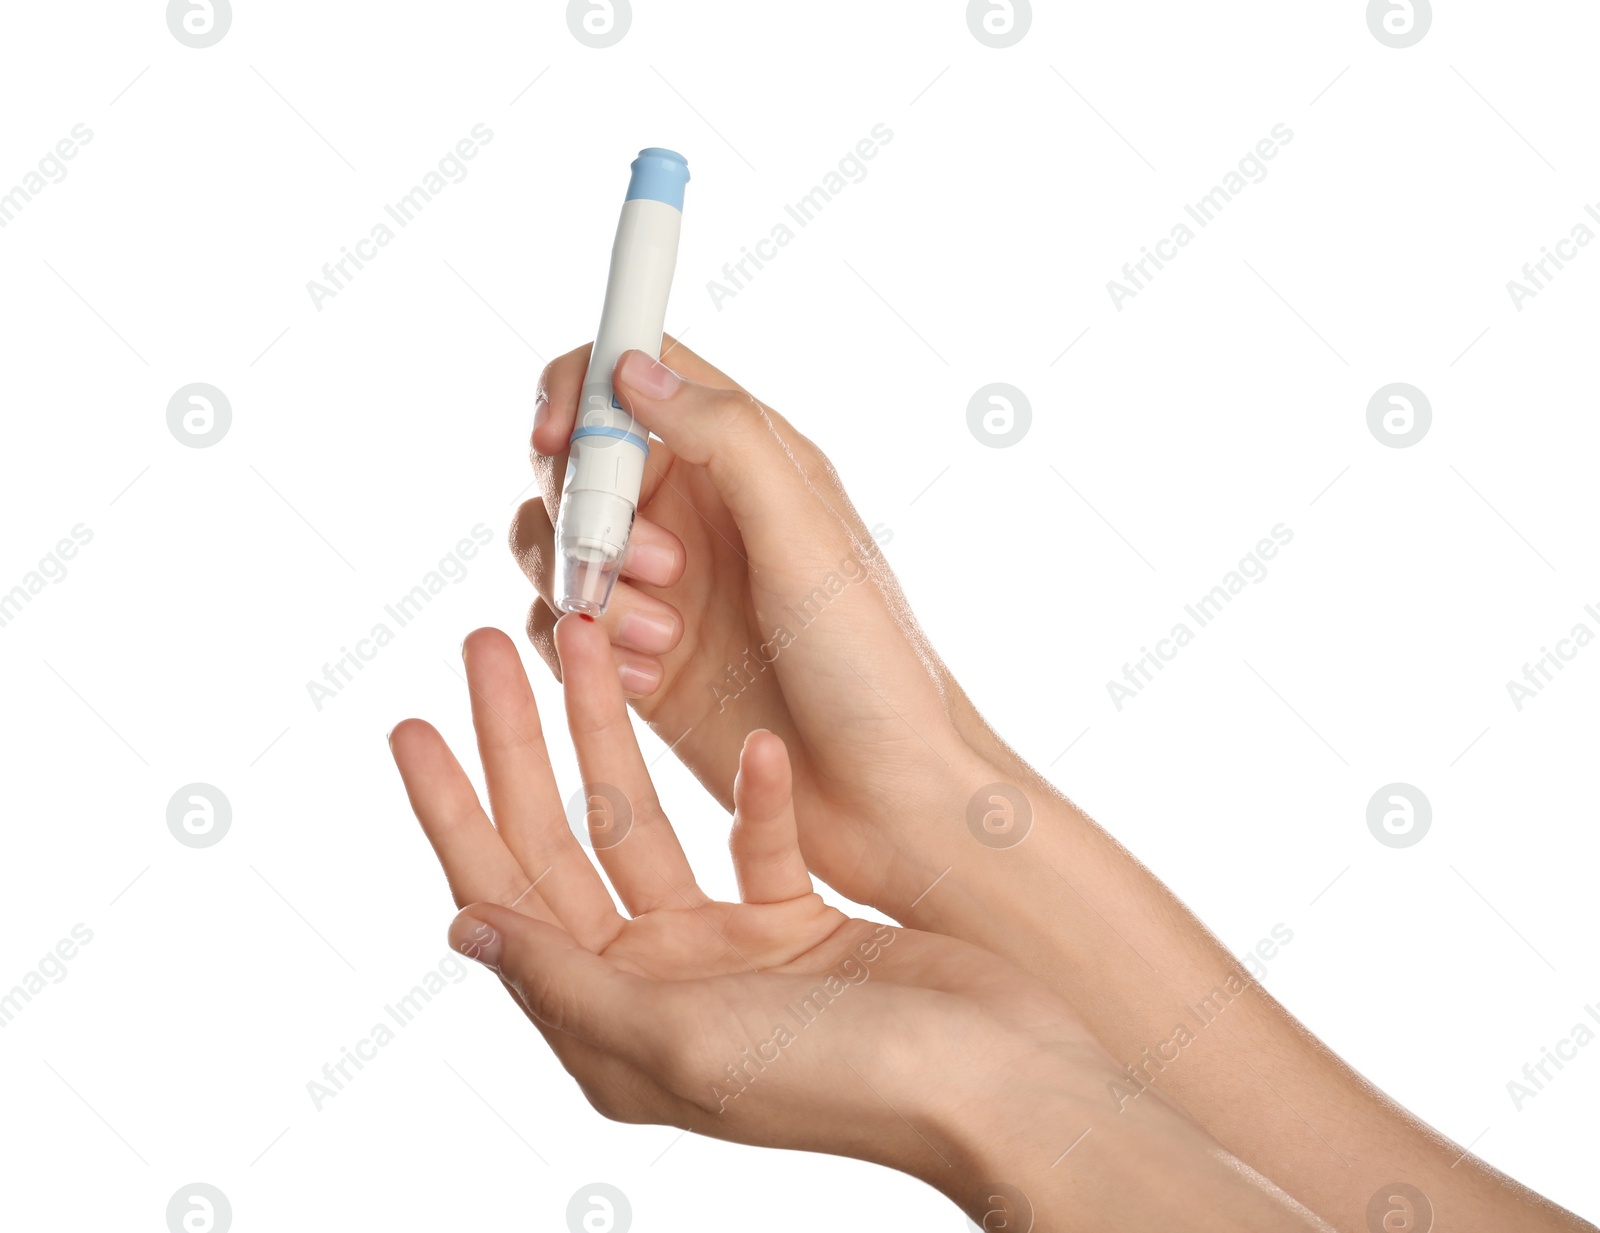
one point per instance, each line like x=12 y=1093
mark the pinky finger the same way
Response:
x=765 y=843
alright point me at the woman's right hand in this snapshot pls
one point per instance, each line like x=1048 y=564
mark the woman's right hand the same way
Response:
x=753 y=595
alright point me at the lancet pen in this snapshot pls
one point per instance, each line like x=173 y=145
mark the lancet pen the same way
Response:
x=608 y=449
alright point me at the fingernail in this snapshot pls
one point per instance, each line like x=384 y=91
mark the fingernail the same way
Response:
x=647 y=632
x=541 y=412
x=638 y=681
x=476 y=940
x=650 y=377
x=650 y=563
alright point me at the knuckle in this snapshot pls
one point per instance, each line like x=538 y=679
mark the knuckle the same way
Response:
x=816 y=464
x=561 y=368
x=806 y=453
x=529 y=538
x=733 y=408
x=550 y=375
x=820 y=470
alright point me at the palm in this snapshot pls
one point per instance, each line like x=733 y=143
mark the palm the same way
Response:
x=720 y=939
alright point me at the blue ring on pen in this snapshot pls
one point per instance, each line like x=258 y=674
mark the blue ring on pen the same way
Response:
x=616 y=434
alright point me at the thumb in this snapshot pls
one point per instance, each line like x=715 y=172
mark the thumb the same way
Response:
x=564 y=986
x=753 y=457
x=765 y=843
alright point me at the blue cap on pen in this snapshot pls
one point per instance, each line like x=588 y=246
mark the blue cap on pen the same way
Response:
x=659 y=175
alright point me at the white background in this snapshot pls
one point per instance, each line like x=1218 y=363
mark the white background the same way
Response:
x=372 y=435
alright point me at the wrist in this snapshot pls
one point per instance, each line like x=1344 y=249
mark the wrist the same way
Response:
x=912 y=836
x=1002 y=1129
x=1037 y=1145
x=1008 y=846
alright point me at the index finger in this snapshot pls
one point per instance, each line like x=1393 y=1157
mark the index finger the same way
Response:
x=645 y=863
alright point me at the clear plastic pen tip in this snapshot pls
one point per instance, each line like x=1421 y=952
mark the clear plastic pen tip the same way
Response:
x=587 y=582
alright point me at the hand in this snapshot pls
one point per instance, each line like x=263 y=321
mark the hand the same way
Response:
x=741 y=1020
x=777 y=1020
x=753 y=594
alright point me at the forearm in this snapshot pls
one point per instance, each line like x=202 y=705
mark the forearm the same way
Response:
x=1160 y=992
